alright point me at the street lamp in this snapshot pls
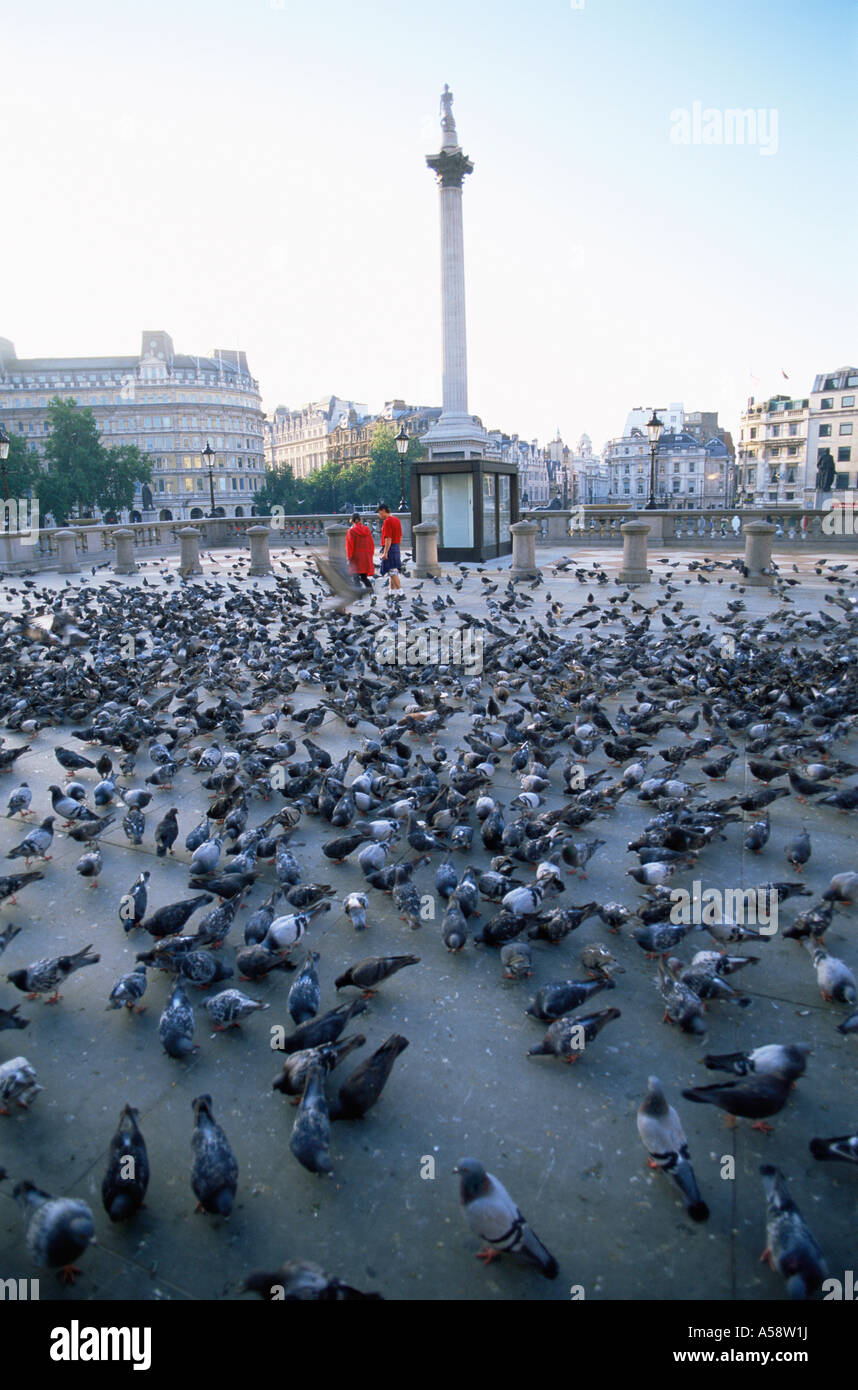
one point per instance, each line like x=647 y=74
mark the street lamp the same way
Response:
x=401 y=441
x=654 y=427
x=4 y=454
x=208 y=454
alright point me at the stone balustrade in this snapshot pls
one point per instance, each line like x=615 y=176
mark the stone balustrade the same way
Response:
x=722 y=527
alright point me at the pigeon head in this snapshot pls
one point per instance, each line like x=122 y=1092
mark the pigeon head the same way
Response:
x=474 y=1178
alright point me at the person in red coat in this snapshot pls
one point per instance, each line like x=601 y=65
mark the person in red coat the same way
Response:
x=360 y=551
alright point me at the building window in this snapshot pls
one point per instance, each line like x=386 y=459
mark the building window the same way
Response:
x=841 y=481
x=846 y=401
x=844 y=455
x=825 y=431
x=793 y=429
x=827 y=403
x=792 y=449
x=775 y=431
x=846 y=427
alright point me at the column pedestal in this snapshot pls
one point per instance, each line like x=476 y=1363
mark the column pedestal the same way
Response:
x=758 y=552
x=523 y=549
x=634 y=569
x=189 y=558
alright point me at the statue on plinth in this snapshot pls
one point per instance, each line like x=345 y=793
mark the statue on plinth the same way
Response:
x=825 y=472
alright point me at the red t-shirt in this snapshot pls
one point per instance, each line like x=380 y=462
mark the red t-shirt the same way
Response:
x=391 y=530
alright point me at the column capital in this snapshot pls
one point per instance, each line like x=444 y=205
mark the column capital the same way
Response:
x=450 y=167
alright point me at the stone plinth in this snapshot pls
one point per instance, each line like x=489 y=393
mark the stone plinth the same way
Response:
x=189 y=559
x=336 y=534
x=634 y=569
x=523 y=549
x=655 y=521
x=124 y=562
x=758 y=552
x=67 y=552
x=260 y=559
x=426 y=550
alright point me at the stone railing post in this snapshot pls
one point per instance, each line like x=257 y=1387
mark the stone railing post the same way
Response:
x=189 y=558
x=260 y=559
x=425 y=536
x=124 y=562
x=758 y=552
x=523 y=549
x=66 y=552
x=634 y=570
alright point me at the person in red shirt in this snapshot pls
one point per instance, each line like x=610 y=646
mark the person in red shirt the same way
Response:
x=391 y=538
x=360 y=551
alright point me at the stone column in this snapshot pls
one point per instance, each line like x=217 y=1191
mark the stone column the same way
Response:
x=124 y=562
x=67 y=552
x=655 y=520
x=634 y=570
x=426 y=550
x=189 y=559
x=758 y=552
x=558 y=527
x=336 y=535
x=260 y=560
x=523 y=549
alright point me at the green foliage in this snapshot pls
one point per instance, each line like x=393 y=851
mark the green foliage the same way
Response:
x=81 y=473
x=22 y=467
x=337 y=485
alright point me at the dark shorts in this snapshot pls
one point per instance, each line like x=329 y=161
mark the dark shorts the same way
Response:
x=392 y=562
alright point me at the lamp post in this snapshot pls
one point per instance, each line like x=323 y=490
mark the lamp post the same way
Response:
x=654 y=427
x=4 y=454
x=208 y=454
x=401 y=441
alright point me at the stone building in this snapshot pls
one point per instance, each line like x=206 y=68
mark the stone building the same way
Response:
x=169 y=404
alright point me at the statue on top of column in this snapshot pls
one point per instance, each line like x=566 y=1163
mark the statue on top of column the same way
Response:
x=448 y=120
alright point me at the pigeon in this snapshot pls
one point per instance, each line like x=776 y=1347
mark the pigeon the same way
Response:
x=59 y=1229
x=325 y=1029
x=835 y=979
x=371 y=971
x=11 y=884
x=568 y=1037
x=19 y=801
x=255 y=962
x=132 y=905
x=788 y=1060
x=227 y=1009
x=202 y=968
x=35 y=844
x=562 y=996
x=311 y=1133
x=791 y=1249
x=517 y=960
x=123 y=1187
x=300 y=1281
x=843 y=1149
x=355 y=907
x=494 y=1217
x=682 y=1005
x=167 y=833
x=843 y=888
x=214 y=1173
x=363 y=1087
x=176 y=1024
x=798 y=850
x=849 y=1025
x=286 y=932
x=663 y=1137
x=305 y=994
x=297 y=1065
x=11 y=1018
x=71 y=761
x=89 y=830
x=170 y=919
x=129 y=988
x=17 y=1083
x=46 y=976
x=757 y=1097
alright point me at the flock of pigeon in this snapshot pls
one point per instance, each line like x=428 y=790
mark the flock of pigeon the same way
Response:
x=227 y=689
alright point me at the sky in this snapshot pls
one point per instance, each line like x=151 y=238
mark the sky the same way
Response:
x=250 y=174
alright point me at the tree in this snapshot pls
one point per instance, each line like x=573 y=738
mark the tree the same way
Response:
x=122 y=467
x=22 y=467
x=81 y=472
x=385 y=473
x=279 y=490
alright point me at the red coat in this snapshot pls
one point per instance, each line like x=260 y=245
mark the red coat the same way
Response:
x=360 y=548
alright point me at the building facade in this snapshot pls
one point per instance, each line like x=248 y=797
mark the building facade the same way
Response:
x=832 y=428
x=591 y=477
x=349 y=442
x=170 y=405
x=693 y=466
x=299 y=439
x=772 y=458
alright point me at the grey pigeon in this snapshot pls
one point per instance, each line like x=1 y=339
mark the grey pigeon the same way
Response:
x=494 y=1217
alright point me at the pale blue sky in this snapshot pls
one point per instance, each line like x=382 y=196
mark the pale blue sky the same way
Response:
x=248 y=173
